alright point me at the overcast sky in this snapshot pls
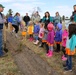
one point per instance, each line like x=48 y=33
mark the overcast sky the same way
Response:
x=64 y=7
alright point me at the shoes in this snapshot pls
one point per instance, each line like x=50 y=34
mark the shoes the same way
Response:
x=40 y=46
x=49 y=54
x=67 y=70
x=31 y=39
x=16 y=35
x=36 y=42
x=64 y=59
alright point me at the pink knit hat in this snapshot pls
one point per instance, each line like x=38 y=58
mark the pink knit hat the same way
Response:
x=50 y=26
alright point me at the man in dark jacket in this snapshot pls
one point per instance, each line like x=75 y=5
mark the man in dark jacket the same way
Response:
x=26 y=19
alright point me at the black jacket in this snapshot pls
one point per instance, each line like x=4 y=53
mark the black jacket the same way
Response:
x=26 y=18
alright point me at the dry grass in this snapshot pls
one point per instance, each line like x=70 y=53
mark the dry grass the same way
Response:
x=55 y=62
x=8 y=67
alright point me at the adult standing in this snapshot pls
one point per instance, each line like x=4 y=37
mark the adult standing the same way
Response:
x=35 y=17
x=73 y=17
x=1 y=30
x=57 y=19
x=47 y=19
x=26 y=19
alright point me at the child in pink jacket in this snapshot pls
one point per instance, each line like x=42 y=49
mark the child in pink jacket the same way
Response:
x=64 y=39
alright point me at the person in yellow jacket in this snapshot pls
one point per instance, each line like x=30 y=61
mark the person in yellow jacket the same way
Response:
x=30 y=30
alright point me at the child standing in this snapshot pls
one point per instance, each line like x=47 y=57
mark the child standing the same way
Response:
x=24 y=32
x=70 y=46
x=50 y=39
x=41 y=34
x=44 y=40
x=36 y=32
x=64 y=38
x=30 y=30
x=58 y=36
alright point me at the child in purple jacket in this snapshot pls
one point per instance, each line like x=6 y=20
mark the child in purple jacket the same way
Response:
x=58 y=36
x=50 y=39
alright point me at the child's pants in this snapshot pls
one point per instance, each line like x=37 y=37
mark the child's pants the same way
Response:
x=69 y=62
x=16 y=28
x=36 y=37
x=51 y=48
x=58 y=47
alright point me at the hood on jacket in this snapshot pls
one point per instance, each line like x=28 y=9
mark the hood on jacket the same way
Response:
x=50 y=26
x=59 y=25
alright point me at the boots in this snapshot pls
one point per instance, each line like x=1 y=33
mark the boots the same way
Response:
x=36 y=42
x=50 y=54
x=64 y=58
x=31 y=39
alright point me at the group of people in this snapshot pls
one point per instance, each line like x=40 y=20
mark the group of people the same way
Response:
x=47 y=32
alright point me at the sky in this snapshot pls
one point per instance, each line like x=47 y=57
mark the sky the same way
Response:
x=64 y=7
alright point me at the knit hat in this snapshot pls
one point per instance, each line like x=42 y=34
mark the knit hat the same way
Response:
x=2 y=6
x=50 y=26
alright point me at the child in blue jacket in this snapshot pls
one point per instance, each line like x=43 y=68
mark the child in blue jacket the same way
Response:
x=58 y=36
x=36 y=32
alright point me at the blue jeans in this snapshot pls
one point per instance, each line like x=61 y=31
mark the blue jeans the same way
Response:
x=27 y=23
x=1 y=43
x=69 y=62
x=36 y=37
